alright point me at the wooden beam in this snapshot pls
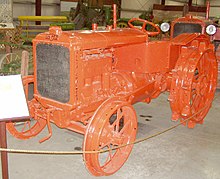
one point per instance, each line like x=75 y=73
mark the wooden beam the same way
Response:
x=106 y=2
x=33 y=3
x=167 y=8
x=70 y=0
x=179 y=8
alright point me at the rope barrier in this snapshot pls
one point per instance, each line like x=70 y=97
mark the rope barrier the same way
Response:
x=106 y=150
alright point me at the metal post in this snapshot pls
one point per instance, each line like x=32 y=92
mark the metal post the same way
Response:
x=119 y=8
x=207 y=9
x=114 y=16
x=185 y=9
x=38 y=10
x=4 y=155
x=190 y=3
x=24 y=63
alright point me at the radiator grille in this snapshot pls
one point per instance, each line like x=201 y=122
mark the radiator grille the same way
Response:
x=53 y=72
x=180 y=28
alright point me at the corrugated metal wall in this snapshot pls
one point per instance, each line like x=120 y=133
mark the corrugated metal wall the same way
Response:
x=52 y=7
x=215 y=11
x=6 y=11
x=143 y=5
x=27 y=7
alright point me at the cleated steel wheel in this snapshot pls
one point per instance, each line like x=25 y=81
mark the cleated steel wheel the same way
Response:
x=113 y=124
x=193 y=85
x=32 y=127
x=9 y=58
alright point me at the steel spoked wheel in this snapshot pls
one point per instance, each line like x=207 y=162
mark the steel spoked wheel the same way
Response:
x=193 y=89
x=32 y=127
x=9 y=58
x=113 y=124
x=27 y=129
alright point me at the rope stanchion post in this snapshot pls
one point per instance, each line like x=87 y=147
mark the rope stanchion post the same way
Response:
x=24 y=63
x=4 y=154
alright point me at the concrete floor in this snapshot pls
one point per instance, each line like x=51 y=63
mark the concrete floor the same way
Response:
x=181 y=153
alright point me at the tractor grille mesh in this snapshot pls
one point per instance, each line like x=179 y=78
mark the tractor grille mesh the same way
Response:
x=181 y=28
x=53 y=72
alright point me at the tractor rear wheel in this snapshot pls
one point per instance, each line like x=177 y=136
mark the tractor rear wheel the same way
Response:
x=193 y=85
x=112 y=125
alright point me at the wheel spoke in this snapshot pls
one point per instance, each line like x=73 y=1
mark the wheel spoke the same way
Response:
x=24 y=127
x=125 y=127
x=117 y=140
x=105 y=140
x=201 y=67
x=108 y=129
x=202 y=101
x=119 y=116
x=105 y=157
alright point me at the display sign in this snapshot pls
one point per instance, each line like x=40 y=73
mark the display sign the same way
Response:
x=12 y=98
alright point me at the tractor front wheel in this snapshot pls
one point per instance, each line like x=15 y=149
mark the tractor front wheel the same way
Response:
x=32 y=127
x=114 y=124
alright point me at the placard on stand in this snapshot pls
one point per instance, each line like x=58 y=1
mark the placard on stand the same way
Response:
x=13 y=108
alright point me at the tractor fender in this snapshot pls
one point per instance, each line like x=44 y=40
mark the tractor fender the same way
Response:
x=184 y=39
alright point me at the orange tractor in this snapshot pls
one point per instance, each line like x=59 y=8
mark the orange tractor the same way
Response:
x=86 y=81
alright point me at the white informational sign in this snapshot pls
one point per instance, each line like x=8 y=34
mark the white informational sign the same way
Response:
x=12 y=98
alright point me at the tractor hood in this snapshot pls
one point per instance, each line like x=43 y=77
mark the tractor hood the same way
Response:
x=89 y=39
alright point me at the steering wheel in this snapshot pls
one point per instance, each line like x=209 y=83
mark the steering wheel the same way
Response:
x=145 y=22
